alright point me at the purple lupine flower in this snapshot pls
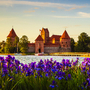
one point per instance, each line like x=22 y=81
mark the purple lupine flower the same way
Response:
x=84 y=83
x=3 y=75
x=46 y=74
x=17 y=62
x=22 y=64
x=60 y=78
x=52 y=86
x=33 y=65
x=69 y=65
x=4 y=66
x=29 y=72
x=67 y=61
x=56 y=77
x=53 y=82
x=83 y=69
x=69 y=75
x=53 y=70
x=5 y=71
x=0 y=86
x=74 y=63
x=41 y=76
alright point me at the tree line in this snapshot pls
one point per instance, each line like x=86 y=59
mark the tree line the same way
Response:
x=82 y=45
x=21 y=45
x=17 y=46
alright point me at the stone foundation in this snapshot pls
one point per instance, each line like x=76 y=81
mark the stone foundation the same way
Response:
x=65 y=50
x=31 y=49
x=51 y=49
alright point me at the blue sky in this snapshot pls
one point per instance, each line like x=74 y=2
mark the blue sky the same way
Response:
x=28 y=16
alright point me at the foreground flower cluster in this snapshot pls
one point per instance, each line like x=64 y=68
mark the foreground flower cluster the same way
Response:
x=44 y=75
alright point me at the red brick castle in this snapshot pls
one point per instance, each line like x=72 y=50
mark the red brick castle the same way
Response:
x=46 y=44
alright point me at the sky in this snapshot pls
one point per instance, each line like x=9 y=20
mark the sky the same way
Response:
x=27 y=17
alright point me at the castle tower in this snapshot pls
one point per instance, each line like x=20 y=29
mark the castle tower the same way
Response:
x=44 y=34
x=39 y=45
x=12 y=35
x=65 y=42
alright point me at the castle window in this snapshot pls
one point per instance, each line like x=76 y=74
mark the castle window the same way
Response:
x=53 y=41
x=63 y=45
x=67 y=45
x=62 y=42
x=66 y=42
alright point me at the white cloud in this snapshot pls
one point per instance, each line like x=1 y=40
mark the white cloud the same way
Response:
x=29 y=11
x=80 y=15
x=77 y=25
x=65 y=17
x=28 y=15
x=84 y=15
x=43 y=4
x=36 y=8
x=52 y=11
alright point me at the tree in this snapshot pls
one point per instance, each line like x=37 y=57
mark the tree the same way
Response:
x=72 y=44
x=23 y=44
x=2 y=45
x=83 y=42
x=16 y=43
x=8 y=45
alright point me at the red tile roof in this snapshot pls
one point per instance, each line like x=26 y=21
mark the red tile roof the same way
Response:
x=57 y=37
x=12 y=33
x=65 y=35
x=39 y=38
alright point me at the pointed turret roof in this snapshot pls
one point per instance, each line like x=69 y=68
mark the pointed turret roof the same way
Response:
x=12 y=33
x=39 y=38
x=65 y=35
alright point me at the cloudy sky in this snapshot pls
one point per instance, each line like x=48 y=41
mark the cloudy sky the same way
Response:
x=27 y=17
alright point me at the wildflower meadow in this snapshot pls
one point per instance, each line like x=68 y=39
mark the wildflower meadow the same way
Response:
x=44 y=75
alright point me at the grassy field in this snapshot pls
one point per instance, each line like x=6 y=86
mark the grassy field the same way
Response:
x=81 y=54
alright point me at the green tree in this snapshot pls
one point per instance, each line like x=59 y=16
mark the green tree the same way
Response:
x=8 y=45
x=2 y=45
x=23 y=44
x=72 y=45
x=16 y=44
x=83 y=42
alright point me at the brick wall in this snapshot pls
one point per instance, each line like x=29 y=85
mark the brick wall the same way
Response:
x=51 y=49
x=65 y=50
x=31 y=49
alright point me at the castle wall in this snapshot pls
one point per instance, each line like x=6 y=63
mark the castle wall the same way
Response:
x=31 y=47
x=51 y=49
x=65 y=50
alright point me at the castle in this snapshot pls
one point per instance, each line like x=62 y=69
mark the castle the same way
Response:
x=44 y=43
